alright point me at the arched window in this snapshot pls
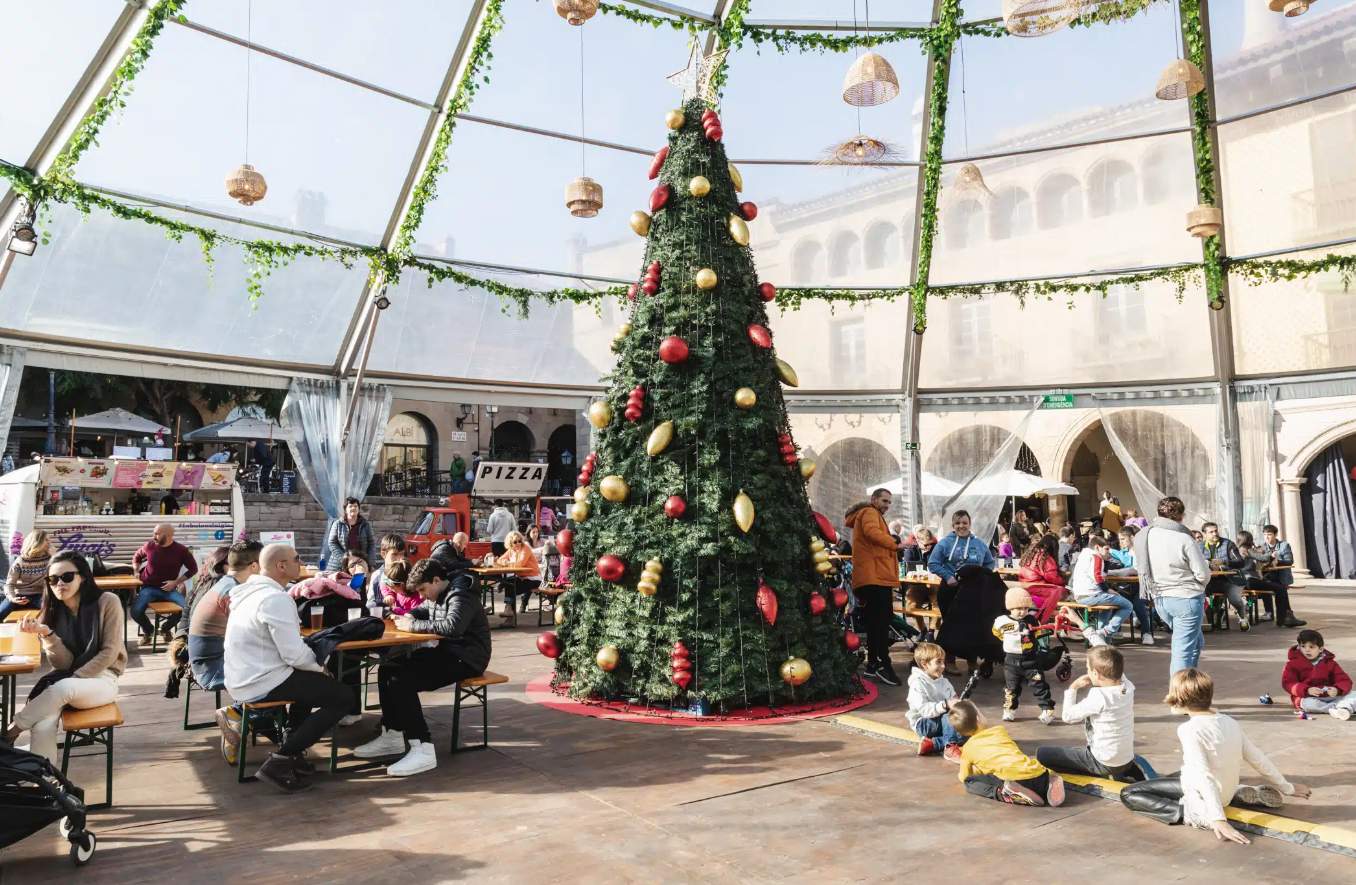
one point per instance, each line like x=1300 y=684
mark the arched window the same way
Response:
x=1167 y=174
x=882 y=246
x=1059 y=201
x=1011 y=214
x=846 y=257
x=409 y=445
x=1111 y=188
x=964 y=224
x=807 y=262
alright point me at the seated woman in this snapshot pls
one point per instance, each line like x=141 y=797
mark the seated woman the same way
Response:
x=212 y=609
x=518 y=554
x=1255 y=558
x=452 y=610
x=27 y=574
x=1040 y=575
x=81 y=631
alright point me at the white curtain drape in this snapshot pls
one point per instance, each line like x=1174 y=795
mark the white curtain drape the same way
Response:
x=1257 y=453
x=12 y=361
x=1161 y=457
x=981 y=495
x=313 y=420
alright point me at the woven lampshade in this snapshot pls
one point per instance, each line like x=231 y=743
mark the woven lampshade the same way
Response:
x=576 y=12
x=1179 y=80
x=584 y=197
x=246 y=185
x=860 y=150
x=1204 y=221
x=969 y=185
x=1291 y=8
x=870 y=82
x=1036 y=18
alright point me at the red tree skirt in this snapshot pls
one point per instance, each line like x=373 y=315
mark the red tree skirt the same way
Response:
x=539 y=691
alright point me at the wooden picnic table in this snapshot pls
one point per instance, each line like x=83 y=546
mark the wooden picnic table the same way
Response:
x=494 y=575
x=118 y=583
x=9 y=685
x=1134 y=579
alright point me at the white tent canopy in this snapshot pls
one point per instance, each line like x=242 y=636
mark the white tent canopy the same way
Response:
x=242 y=429
x=119 y=421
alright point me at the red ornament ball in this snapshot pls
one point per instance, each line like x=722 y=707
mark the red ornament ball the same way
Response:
x=817 y=604
x=673 y=350
x=650 y=286
x=767 y=291
x=583 y=477
x=825 y=527
x=749 y=209
x=839 y=597
x=675 y=507
x=682 y=678
x=631 y=292
x=852 y=641
x=549 y=644
x=759 y=335
x=564 y=542
x=610 y=568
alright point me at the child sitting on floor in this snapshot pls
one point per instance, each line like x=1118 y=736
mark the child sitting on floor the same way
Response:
x=393 y=593
x=992 y=766
x=930 y=698
x=1021 y=656
x=1214 y=749
x=1108 y=717
x=1315 y=681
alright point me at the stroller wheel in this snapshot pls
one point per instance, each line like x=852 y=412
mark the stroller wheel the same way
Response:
x=986 y=670
x=64 y=827
x=1064 y=671
x=82 y=849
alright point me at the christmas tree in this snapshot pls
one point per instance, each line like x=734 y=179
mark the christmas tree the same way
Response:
x=698 y=570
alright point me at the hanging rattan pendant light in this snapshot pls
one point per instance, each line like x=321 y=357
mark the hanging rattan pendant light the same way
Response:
x=576 y=12
x=969 y=185
x=870 y=82
x=1291 y=8
x=1204 y=221
x=1036 y=18
x=583 y=196
x=244 y=183
x=1179 y=80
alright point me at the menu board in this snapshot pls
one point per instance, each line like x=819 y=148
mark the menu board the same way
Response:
x=129 y=474
x=157 y=475
x=189 y=475
x=218 y=476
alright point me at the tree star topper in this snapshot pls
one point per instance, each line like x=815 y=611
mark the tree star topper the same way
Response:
x=696 y=80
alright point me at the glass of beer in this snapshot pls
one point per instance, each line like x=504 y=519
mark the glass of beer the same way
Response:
x=317 y=617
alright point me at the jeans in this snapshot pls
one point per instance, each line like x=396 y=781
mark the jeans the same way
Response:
x=145 y=597
x=939 y=728
x=991 y=786
x=42 y=714
x=1233 y=591
x=308 y=690
x=1322 y=705
x=1185 y=617
x=207 y=658
x=877 y=602
x=1106 y=597
x=400 y=682
x=1017 y=670
x=522 y=588
x=8 y=605
x=1279 y=592
x=1079 y=760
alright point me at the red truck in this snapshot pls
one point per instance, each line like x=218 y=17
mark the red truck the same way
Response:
x=441 y=523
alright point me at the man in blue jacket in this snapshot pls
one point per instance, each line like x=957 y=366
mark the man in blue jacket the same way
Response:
x=957 y=549
x=1282 y=558
x=1222 y=554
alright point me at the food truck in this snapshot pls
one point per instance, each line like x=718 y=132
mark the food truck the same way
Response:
x=110 y=507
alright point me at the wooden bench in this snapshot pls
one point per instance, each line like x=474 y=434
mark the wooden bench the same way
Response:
x=19 y=614
x=552 y=590
x=91 y=728
x=159 y=611
x=476 y=687
x=1087 y=611
x=272 y=711
x=189 y=684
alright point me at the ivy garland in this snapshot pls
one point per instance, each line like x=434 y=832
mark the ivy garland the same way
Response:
x=518 y=295
x=1201 y=122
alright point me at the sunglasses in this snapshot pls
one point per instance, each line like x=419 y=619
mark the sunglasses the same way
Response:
x=63 y=578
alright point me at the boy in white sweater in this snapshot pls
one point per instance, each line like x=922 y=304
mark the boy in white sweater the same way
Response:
x=1108 y=717
x=930 y=698
x=1089 y=587
x=1214 y=749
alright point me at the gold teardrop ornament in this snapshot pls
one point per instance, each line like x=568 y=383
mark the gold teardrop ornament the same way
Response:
x=743 y=512
x=736 y=177
x=614 y=488
x=640 y=223
x=739 y=231
x=659 y=439
x=787 y=374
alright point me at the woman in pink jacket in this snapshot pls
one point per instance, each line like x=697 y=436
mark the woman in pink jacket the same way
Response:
x=1040 y=576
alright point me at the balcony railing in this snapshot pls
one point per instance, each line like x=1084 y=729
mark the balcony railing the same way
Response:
x=1330 y=349
x=1324 y=213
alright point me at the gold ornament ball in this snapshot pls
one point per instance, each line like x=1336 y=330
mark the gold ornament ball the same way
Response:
x=600 y=413
x=579 y=511
x=820 y=556
x=581 y=494
x=622 y=331
x=699 y=186
x=739 y=231
x=706 y=278
x=823 y=567
x=795 y=671
x=674 y=119
x=560 y=613
x=807 y=467
x=745 y=398
x=816 y=545
x=608 y=657
x=640 y=223
x=614 y=488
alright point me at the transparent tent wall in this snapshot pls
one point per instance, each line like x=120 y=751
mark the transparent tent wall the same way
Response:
x=856 y=452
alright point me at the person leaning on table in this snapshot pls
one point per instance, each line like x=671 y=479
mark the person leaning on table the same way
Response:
x=453 y=612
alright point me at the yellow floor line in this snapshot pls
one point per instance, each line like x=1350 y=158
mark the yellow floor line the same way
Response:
x=1289 y=829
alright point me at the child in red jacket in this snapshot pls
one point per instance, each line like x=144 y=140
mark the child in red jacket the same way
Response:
x=1314 y=679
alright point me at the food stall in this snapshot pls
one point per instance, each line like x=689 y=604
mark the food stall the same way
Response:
x=110 y=507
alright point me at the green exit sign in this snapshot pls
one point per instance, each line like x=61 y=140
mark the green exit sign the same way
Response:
x=1058 y=401
x=910 y=446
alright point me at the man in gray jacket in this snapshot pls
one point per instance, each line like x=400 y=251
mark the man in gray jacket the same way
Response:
x=500 y=525
x=1173 y=573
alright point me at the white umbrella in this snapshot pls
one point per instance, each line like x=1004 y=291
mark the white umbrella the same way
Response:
x=246 y=427
x=120 y=421
x=933 y=485
x=1020 y=484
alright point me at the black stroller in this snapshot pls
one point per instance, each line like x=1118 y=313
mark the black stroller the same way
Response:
x=33 y=794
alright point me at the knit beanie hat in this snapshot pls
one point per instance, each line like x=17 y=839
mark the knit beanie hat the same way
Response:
x=1018 y=598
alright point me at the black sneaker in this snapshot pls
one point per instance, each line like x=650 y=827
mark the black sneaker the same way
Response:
x=303 y=766
x=1292 y=622
x=885 y=673
x=870 y=673
x=278 y=771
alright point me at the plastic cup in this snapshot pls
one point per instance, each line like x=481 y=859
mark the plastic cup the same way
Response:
x=26 y=645
x=354 y=614
x=374 y=611
x=317 y=618
x=7 y=632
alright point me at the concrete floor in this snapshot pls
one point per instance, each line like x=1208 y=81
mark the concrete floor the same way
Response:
x=561 y=798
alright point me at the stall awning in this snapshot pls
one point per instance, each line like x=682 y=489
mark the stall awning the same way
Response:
x=241 y=429
x=119 y=421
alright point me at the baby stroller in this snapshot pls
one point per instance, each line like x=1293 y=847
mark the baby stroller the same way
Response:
x=33 y=794
x=1050 y=656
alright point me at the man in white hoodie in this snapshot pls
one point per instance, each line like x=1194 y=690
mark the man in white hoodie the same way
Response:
x=1173 y=573
x=501 y=523
x=266 y=660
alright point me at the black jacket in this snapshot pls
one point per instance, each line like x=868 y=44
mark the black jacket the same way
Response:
x=458 y=616
x=1228 y=551
x=324 y=642
x=450 y=557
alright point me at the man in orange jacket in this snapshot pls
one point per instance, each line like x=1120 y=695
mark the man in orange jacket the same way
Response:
x=875 y=575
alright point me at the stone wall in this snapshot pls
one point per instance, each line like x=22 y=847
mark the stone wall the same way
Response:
x=304 y=516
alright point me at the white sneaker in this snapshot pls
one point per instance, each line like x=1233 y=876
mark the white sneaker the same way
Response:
x=351 y=719
x=388 y=743
x=1146 y=639
x=1244 y=624
x=1096 y=638
x=1047 y=716
x=1264 y=796
x=1009 y=715
x=1340 y=713
x=420 y=758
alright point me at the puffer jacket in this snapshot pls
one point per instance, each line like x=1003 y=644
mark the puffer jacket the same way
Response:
x=1301 y=674
x=458 y=616
x=336 y=542
x=875 y=559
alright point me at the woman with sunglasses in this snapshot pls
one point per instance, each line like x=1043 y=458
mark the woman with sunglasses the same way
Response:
x=81 y=631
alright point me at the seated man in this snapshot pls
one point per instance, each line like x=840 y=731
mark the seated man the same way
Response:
x=1223 y=554
x=163 y=565
x=266 y=660
x=207 y=622
x=452 y=554
x=453 y=612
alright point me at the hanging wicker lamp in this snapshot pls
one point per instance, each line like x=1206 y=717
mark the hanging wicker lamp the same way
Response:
x=246 y=185
x=1204 y=221
x=1036 y=18
x=1179 y=80
x=1291 y=8
x=584 y=197
x=576 y=12
x=860 y=150
x=969 y=185
x=870 y=82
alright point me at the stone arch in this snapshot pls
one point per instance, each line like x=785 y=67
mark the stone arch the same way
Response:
x=846 y=469
x=1112 y=187
x=1012 y=214
x=512 y=441
x=845 y=255
x=1059 y=201
x=562 y=439
x=963 y=452
x=407 y=431
x=1297 y=465
x=882 y=246
x=808 y=262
